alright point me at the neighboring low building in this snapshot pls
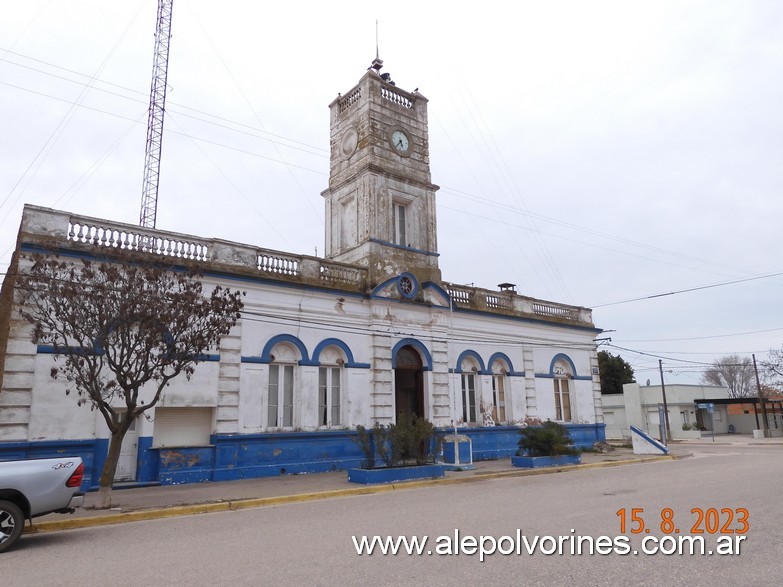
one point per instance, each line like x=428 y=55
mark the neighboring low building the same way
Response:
x=747 y=414
x=638 y=406
x=324 y=344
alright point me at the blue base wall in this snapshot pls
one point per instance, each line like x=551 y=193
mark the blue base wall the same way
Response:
x=498 y=442
x=245 y=456
x=93 y=454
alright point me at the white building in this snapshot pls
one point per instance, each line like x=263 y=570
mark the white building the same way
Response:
x=638 y=406
x=324 y=344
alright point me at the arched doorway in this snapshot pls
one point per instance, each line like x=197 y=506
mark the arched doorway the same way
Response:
x=409 y=382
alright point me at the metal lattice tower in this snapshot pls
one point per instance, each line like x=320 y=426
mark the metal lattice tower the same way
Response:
x=160 y=66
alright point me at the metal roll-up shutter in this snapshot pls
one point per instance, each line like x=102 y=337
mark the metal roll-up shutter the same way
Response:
x=182 y=426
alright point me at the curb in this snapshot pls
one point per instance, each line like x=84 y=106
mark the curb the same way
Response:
x=255 y=502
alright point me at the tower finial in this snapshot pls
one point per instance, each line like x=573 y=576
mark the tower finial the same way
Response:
x=377 y=63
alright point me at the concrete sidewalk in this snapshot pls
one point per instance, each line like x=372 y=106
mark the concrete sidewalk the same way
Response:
x=144 y=503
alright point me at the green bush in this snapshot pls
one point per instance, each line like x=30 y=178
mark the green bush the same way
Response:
x=410 y=439
x=364 y=439
x=550 y=440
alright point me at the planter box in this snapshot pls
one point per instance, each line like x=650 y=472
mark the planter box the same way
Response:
x=458 y=452
x=536 y=462
x=395 y=474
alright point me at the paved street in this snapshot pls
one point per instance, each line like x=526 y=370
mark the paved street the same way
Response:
x=310 y=543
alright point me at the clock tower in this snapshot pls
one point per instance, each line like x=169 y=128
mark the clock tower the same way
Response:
x=380 y=204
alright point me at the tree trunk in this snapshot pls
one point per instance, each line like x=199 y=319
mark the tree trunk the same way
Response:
x=110 y=468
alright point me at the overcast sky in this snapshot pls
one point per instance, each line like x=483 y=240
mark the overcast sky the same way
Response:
x=590 y=152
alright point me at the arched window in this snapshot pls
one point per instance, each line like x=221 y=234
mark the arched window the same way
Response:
x=280 y=390
x=470 y=393
x=562 y=383
x=499 y=388
x=330 y=386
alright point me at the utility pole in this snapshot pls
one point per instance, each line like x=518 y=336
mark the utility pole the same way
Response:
x=665 y=405
x=160 y=66
x=761 y=398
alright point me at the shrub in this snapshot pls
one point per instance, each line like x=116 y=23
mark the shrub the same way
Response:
x=386 y=447
x=365 y=441
x=550 y=440
x=410 y=439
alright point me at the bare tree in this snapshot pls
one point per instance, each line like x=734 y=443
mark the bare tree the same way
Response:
x=773 y=368
x=123 y=330
x=734 y=373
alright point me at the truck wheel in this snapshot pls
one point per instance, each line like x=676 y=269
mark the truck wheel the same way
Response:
x=11 y=524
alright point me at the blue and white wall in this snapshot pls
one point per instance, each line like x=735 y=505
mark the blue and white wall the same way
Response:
x=308 y=327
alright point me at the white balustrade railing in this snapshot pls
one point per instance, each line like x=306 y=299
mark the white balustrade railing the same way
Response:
x=121 y=237
x=279 y=264
x=393 y=96
x=542 y=309
x=499 y=302
x=350 y=99
x=482 y=299
x=339 y=274
x=50 y=224
x=460 y=296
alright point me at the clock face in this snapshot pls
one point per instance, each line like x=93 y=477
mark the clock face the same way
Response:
x=400 y=141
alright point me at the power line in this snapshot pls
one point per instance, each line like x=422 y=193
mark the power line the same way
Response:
x=690 y=289
x=702 y=337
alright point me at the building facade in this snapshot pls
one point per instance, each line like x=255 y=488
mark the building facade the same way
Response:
x=638 y=406
x=360 y=336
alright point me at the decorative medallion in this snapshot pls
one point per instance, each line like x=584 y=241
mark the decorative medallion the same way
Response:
x=349 y=142
x=407 y=286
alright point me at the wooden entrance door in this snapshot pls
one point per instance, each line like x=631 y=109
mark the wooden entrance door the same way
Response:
x=409 y=383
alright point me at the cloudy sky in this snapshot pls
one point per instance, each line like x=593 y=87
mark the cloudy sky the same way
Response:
x=594 y=153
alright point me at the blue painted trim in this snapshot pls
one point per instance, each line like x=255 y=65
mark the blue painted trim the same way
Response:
x=509 y=365
x=379 y=288
x=92 y=452
x=53 y=349
x=50 y=349
x=418 y=346
x=439 y=289
x=538 y=462
x=577 y=378
x=527 y=320
x=244 y=456
x=664 y=449
x=565 y=358
x=376 y=292
x=350 y=362
x=147 y=461
x=27 y=247
x=404 y=248
x=395 y=474
x=475 y=355
x=290 y=338
x=416 y=286
x=246 y=359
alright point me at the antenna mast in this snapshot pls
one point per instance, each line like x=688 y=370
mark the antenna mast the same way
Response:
x=160 y=66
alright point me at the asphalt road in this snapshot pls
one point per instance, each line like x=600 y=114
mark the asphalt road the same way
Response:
x=310 y=543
